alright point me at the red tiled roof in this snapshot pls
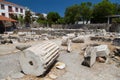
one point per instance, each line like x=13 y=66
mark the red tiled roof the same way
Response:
x=10 y=3
x=2 y=18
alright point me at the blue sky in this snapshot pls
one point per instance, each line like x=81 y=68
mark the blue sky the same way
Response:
x=45 y=6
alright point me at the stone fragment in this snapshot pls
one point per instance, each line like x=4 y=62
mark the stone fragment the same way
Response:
x=69 y=49
x=37 y=59
x=71 y=36
x=116 y=41
x=64 y=41
x=6 y=41
x=14 y=41
x=22 y=47
x=102 y=50
x=52 y=76
x=79 y=39
x=89 y=57
x=21 y=34
x=60 y=65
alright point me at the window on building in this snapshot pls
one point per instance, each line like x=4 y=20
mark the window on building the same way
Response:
x=2 y=6
x=10 y=8
x=11 y=15
x=16 y=9
x=21 y=10
x=3 y=14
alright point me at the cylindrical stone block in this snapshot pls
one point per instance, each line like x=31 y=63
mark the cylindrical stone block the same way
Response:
x=37 y=59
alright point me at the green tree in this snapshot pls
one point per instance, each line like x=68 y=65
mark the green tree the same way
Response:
x=42 y=20
x=13 y=16
x=86 y=11
x=103 y=9
x=53 y=17
x=28 y=17
x=21 y=19
x=117 y=8
x=61 y=21
x=72 y=14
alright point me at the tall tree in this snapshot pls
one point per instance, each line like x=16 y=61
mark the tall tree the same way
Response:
x=42 y=20
x=117 y=8
x=20 y=20
x=28 y=18
x=86 y=11
x=72 y=14
x=61 y=21
x=103 y=9
x=53 y=17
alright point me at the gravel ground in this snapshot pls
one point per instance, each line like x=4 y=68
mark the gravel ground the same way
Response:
x=73 y=70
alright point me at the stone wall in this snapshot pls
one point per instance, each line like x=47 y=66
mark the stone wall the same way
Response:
x=114 y=28
x=83 y=26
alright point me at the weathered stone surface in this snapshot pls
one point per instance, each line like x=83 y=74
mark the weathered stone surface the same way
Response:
x=37 y=59
x=116 y=41
x=14 y=41
x=101 y=32
x=60 y=65
x=79 y=39
x=6 y=41
x=71 y=36
x=64 y=41
x=102 y=50
x=90 y=57
x=17 y=75
x=23 y=47
x=69 y=48
x=21 y=34
x=9 y=64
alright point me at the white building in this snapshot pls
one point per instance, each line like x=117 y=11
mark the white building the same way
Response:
x=45 y=15
x=34 y=14
x=8 y=9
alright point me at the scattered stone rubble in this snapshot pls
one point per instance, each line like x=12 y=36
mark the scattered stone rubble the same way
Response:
x=79 y=39
x=36 y=60
x=22 y=37
x=116 y=41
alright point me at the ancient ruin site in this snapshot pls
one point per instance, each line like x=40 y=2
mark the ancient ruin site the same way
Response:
x=59 y=39
x=60 y=54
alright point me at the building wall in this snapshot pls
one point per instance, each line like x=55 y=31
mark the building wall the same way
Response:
x=6 y=11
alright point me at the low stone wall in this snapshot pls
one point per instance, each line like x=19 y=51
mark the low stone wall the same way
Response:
x=83 y=26
x=57 y=32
